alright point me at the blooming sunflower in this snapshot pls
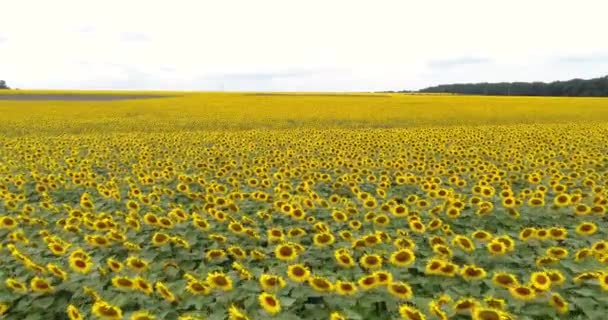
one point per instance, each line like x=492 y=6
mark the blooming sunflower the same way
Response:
x=143 y=285
x=106 y=311
x=540 y=281
x=285 y=252
x=40 y=285
x=496 y=248
x=402 y=258
x=400 y=290
x=197 y=287
x=586 y=228
x=269 y=303
x=165 y=292
x=270 y=282
x=472 y=272
x=410 y=313
x=137 y=264
x=122 y=282
x=73 y=313
x=235 y=313
x=559 y=303
x=298 y=272
x=504 y=280
x=323 y=239
x=320 y=284
x=368 y=282
x=345 y=288
x=142 y=315
x=219 y=280
x=16 y=285
x=487 y=314
x=522 y=292
x=371 y=261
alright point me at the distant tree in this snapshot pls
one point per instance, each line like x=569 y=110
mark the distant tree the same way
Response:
x=573 y=88
x=3 y=85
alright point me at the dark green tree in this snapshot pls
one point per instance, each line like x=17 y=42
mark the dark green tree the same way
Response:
x=3 y=85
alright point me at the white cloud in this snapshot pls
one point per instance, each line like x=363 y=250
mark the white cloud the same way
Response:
x=322 y=45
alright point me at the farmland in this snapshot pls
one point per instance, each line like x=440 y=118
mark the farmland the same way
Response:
x=303 y=206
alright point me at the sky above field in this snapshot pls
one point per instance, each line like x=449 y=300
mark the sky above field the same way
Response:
x=298 y=45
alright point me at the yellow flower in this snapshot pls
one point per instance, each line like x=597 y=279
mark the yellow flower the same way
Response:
x=540 y=281
x=106 y=311
x=4 y=308
x=472 y=272
x=235 y=314
x=410 y=313
x=121 y=282
x=320 y=284
x=400 y=290
x=522 y=292
x=40 y=285
x=164 y=292
x=73 y=313
x=298 y=272
x=220 y=281
x=345 y=288
x=269 y=302
x=285 y=252
x=402 y=258
x=16 y=285
x=371 y=261
x=271 y=282
x=558 y=303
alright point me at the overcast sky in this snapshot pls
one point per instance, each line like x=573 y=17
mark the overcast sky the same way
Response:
x=310 y=45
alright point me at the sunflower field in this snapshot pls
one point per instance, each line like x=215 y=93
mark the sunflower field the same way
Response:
x=242 y=206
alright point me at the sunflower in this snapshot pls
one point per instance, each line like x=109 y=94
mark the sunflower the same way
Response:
x=285 y=252
x=434 y=265
x=586 y=228
x=448 y=269
x=345 y=288
x=121 y=282
x=487 y=314
x=72 y=312
x=384 y=277
x=237 y=252
x=235 y=313
x=527 y=233
x=142 y=315
x=544 y=261
x=320 y=284
x=556 y=276
x=507 y=241
x=106 y=311
x=16 y=285
x=151 y=219
x=561 y=200
x=142 y=285
x=464 y=243
x=269 y=302
x=298 y=272
x=410 y=313
x=504 y=280
x=496 y=247
x=337 y=316
x=558 y=233
x=4 y=308
x=465 y=305
x=540 y=281
x=40 y=285
x=557 y=252
x=371 y=261
x=219 y=280
x=417 y=226
x=472 y=272
x=137 y=264
x=400 y=290
x=164 y=292
x=558 y=302
x=57 y=271
x=7 y=222
x=160 y=238
x=197 y=287
x=522 y=292
x=603 y=281
x=402 y=258
x=495 y=303
x=368 y=282
x=323 y=239
x=582 y=254
x=80 y=265
x=271 y=282
x=215 y=254
x=481 y=235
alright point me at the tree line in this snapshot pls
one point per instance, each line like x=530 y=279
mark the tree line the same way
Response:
x=3 y=85
x=597 y=87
